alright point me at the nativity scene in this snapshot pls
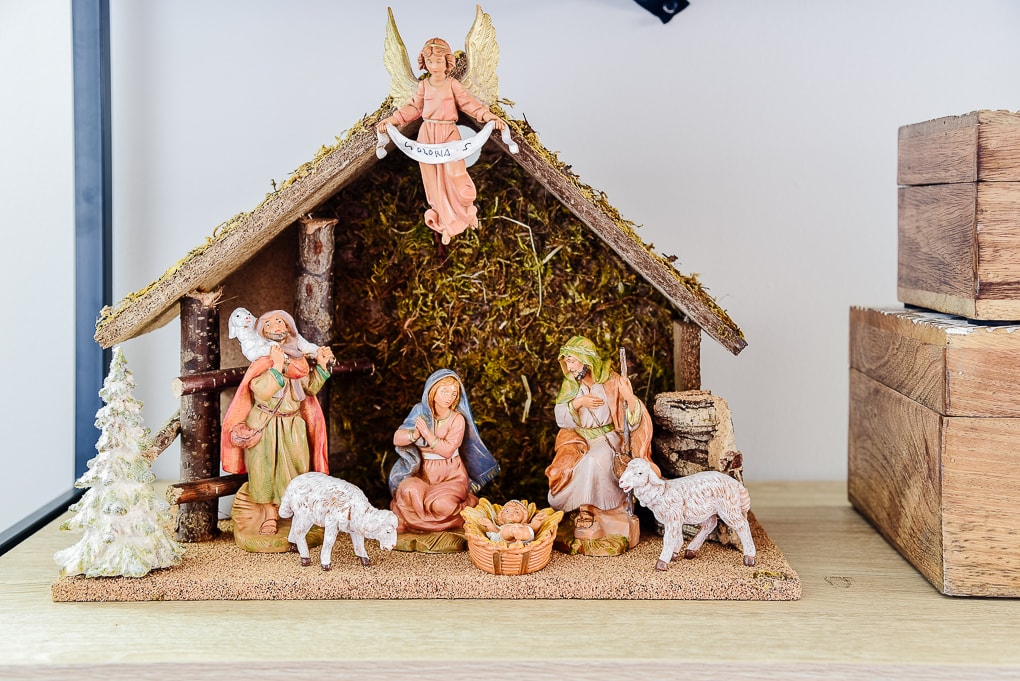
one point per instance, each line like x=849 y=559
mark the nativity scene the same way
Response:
x=517 y=341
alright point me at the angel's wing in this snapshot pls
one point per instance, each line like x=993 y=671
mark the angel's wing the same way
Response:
x=482 y=53
x=402 y=81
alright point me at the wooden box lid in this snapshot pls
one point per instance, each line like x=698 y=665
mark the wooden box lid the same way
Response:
x=951 y=365
x=982 y=146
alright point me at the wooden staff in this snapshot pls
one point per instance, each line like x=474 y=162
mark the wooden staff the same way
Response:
x=626 y=424
x=623 y=457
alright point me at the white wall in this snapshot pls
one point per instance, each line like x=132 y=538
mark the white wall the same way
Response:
x=775 y=178
x=37 y=274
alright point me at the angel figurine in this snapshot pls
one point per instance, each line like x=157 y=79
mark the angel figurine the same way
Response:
x=437 y=99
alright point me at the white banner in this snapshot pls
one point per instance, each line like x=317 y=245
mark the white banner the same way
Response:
x=440 y=153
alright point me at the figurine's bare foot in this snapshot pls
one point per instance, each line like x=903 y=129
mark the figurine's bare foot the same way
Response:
x=446 y=239
x=305 y=562
x=661 y=565
x=365 y=562
x=327 y=567
x=749 y=561
x=688 y=554
x=268 y=527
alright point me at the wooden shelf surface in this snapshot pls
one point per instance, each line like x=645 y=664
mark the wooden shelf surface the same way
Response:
x=864 y=611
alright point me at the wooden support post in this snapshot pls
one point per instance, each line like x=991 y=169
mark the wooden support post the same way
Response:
x=314 y=295
x=200 y=413
x=686 y=355
x=314 y=299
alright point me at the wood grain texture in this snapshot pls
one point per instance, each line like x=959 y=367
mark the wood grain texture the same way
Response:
x=998 y=241
x=959 y=244
x=883 y=347
x=894 y=471
x=979 y=146
x=981 y=515
x=686 y=355
x=951 y=365
x=865 y=613
x=937 y=242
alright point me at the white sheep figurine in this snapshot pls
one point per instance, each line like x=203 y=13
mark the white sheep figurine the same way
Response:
x=698 y=499
x=335 y=505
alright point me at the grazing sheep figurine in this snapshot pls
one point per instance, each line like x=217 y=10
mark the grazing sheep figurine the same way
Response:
x=335 y=505
x=699 y=499
x=241 y=325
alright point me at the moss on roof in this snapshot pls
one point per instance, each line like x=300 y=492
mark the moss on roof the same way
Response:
x=366 y=125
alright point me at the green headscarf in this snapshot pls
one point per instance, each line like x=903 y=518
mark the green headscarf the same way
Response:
x=585 y=352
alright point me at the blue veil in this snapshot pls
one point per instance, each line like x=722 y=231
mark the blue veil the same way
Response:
x=480 y=464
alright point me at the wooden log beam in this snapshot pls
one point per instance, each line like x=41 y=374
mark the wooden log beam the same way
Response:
x=686 y=355
x=209 y=381
x=205 y=490
x=164 y=437
x=200 y=413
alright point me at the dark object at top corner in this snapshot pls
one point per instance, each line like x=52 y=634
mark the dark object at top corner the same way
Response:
x=664 y=9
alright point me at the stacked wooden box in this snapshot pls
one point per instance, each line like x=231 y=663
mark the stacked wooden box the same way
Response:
x=934 y=443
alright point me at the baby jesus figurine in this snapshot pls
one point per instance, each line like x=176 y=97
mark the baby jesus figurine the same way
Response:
x=512 y=524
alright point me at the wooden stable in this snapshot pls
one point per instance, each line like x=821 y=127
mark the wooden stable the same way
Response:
x=934 y=444
x=242 y=262
x=959 y=209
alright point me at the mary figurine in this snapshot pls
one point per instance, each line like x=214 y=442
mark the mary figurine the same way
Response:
x=442 y=460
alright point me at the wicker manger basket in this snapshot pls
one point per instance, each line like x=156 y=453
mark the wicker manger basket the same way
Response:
x=500 y=557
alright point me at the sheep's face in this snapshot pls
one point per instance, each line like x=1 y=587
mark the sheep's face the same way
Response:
x=636 y=475
x=240 y=319
x=386 y=535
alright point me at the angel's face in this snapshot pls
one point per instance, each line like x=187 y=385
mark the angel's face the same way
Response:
x=435 y=63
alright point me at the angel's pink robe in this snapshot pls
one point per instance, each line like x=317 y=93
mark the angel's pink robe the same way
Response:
x=448 y=188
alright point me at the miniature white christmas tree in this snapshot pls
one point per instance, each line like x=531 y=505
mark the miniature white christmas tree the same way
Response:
x=126 y=526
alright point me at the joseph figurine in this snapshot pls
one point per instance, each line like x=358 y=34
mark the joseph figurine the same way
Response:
x=590 y=413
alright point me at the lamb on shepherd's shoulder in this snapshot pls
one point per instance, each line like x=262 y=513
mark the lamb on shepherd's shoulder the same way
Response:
x=699 y=499
x=241 y=325
x=335 y=505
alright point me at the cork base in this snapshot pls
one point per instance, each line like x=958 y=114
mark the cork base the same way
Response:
x=219 y=570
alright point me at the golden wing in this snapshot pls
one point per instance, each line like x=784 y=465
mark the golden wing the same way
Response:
x=402 y=81
x=482 y=54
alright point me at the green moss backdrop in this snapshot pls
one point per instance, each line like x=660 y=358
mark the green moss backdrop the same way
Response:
x=496 y=310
